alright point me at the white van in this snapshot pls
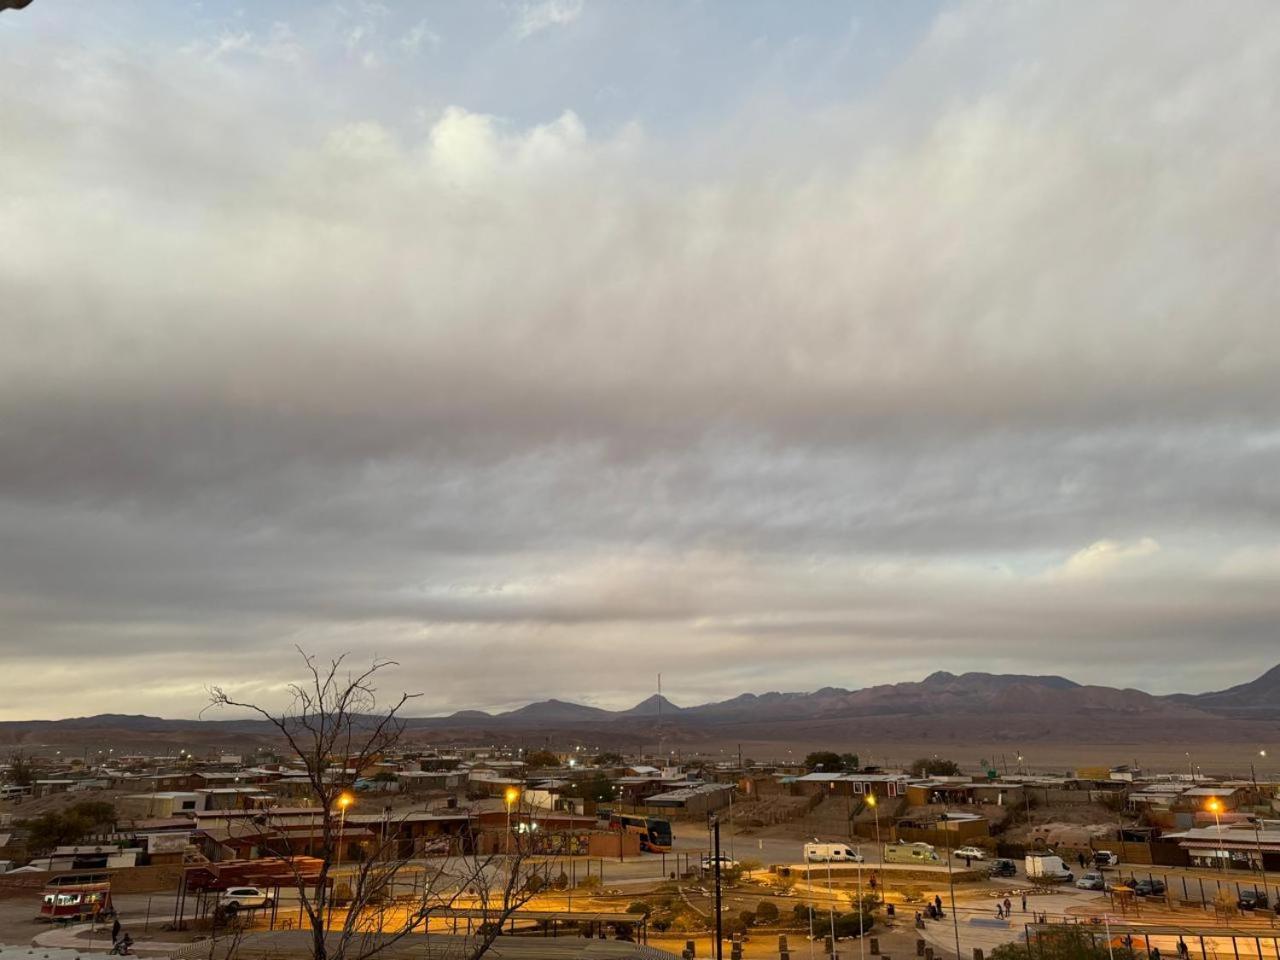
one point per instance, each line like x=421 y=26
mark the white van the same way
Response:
x=910 y=853
x=1041 y=867
x=831 y=853
x=11 y=791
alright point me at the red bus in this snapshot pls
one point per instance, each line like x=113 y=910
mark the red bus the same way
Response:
x=655 y=833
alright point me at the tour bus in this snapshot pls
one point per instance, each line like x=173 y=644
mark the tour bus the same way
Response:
x=76 y=897
x=910 y=853
x=655 y=833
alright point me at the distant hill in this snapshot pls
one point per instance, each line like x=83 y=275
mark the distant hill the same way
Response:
x=943 y=707
x=1258 y=698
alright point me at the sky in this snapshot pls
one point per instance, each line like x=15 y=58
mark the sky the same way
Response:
x=543 y=346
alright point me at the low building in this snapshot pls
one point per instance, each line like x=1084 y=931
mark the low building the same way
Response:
x=1240 y=846
x=160 y=805
x=697 y=801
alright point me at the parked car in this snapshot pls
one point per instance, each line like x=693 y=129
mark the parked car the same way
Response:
x=1252 y=900
x=245 y=898
x=1149 y=888
x=726 y=863
x=972 y=853
x=1001 y=867
x=1091 y=881
x=1105 y=858
x=831 y=852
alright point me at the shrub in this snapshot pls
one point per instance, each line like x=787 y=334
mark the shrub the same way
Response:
x=640 y=906
x=854 y=924
x=747 y=918
x=589 y=884
x=766 y=912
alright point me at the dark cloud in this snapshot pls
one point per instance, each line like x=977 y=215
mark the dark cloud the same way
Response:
x=950 y=375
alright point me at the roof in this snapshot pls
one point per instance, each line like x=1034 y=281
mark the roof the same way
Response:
x=1219 y=791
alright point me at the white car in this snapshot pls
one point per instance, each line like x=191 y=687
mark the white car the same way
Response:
x=726 y=863
x=245 y=898
x=971 y=853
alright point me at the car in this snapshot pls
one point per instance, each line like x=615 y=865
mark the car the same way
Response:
x=1252 y=900
x=1104 y=858
x=970 y=853
x=726 y=863
x=1001 y=867
x=1091 y=881
x=1149 y=888
x=245 y=898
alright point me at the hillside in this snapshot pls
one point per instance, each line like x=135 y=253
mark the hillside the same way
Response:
x=943 y=707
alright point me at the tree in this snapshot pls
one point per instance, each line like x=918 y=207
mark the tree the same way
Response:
x=766 y=911
x=540 y=759
x=597 y=788
x=825 y=760
x=336 y=726
x=50 y=830
x=849 y=761
x=935 y=767
x=607 y=759
x=21 y=771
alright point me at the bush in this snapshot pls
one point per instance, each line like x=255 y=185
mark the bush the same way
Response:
x=854 y=924
x=766 y=912
x=534 y=883
x=747 y=918
x=640 y=906
x=589 y=884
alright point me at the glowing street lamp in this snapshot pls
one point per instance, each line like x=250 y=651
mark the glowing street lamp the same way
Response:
x=344 y=800
x=1214 y=806
x=510 y=796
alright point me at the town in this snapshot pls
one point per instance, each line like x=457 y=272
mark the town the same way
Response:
x=633 y=852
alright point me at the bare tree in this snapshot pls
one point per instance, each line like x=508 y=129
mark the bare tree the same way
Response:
x=336 y=727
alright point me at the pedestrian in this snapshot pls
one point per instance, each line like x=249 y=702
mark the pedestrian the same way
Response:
x=1183 y=952
x=1024 y=901
x=1155 y=953
x=115 y=931
x=999 y=911
x=968 y=862
x=937 y=902
x=1008 y=907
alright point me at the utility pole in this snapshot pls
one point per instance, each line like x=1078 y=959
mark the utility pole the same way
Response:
x=715 y=826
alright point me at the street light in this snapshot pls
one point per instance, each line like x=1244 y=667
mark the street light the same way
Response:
x=510 y=796
x=875 y=809
x=1214 y=806
x=344 y=800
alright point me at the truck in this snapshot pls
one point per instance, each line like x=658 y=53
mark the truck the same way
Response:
x=830 y=853
x=1048 y=868
x=910 y=853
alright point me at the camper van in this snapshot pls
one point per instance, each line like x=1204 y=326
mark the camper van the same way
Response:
x=11 y=791
x=910 y=853
x=1048 y=868
x=831 y=853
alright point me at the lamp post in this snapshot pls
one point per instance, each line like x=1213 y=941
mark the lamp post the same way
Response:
x=344 y=800
x=875 y=809
x=1214 y=806
x=510 y=796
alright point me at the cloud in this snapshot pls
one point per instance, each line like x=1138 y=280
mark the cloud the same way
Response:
x=807 y=396
x=534 y=18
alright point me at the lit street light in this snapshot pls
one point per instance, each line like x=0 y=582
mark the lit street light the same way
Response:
x=1214 y=806
x=344 y=800
x=511 y=796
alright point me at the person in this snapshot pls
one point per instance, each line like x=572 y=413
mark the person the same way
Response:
x=1024 y=902
x=1080 y=857
x=1155 y=953
x=999 y=910
x=1008 y=907
x=1183 y=952
x=968 y=862
x=937 y=902
x=115 y=931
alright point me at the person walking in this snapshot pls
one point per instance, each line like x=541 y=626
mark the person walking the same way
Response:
x=1008 y=908
x=1024 y=901
x=937 y=903
x=115 y=931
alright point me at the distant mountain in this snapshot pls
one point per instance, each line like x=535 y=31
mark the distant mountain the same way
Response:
x=653 y=707
x=1258 y=698
x=558 y=711
x=943 y=707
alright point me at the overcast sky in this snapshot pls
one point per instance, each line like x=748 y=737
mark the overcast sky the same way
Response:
x=543 y=346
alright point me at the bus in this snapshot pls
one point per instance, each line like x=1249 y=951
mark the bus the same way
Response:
x=76 y=897
x=655 y=833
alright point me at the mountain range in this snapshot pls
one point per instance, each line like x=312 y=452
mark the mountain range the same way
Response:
x=972 y=707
